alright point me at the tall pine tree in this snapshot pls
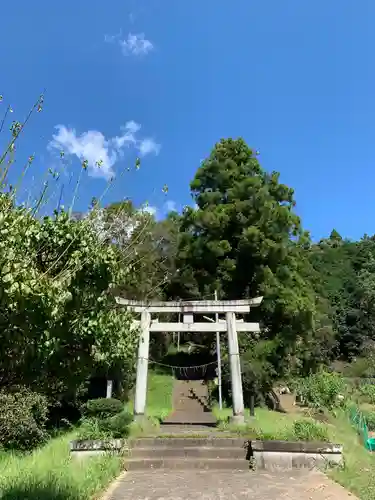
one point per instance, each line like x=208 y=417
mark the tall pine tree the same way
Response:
x=244 y=240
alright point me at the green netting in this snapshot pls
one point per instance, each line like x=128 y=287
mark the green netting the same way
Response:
x=358 y=421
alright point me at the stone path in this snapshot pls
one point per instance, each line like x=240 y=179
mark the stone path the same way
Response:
x=227 y=485
x=190 y=404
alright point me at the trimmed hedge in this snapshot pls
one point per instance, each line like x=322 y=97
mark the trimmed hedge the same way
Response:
x=102 y=408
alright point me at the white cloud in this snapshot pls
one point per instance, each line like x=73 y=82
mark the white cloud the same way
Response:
x=127 y=137
x=170 y=206
x=101 y=153
x=147 y=146
x=134 y=44
x=131 y=126
x=149 y=209
x=111 y=38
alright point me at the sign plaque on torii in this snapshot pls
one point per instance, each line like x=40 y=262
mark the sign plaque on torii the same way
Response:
x=228 y=307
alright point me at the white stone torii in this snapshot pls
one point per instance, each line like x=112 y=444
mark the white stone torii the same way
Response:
x=228 y=307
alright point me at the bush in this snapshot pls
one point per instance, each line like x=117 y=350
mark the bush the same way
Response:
x=110 y=428
x=308 y=430
x=322 y=390
x=362 y=367
x=370 y=419
x=117 y=426
x=91 y=428
x=367 y=393
x=23 y=419
x=102 y=408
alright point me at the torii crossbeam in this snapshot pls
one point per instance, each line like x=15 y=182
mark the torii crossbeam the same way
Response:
x=228 y=307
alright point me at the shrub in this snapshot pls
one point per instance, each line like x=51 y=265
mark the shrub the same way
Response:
x=115 y=427
x=23 y=419
x=362 y=367
x=90 y=428
x=308 y=430
x=367 y=393
x=370 y=419
x=102 y=408
x=322 y=390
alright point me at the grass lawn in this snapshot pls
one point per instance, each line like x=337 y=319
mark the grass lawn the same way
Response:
x=159 y=395
x=158 y=403
x=272 y=425
x=49 y=473
x=357 y=475
x=267 y=421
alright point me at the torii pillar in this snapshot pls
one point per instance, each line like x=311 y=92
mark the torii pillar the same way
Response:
x=235 y=370
x=142 y=366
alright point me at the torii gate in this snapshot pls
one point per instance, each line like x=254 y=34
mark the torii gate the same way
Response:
x=228 y=307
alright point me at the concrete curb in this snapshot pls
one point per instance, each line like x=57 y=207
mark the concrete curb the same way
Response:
x=85 y=448
x=270 y=455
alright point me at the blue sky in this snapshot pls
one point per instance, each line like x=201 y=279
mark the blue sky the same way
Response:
x=166 y=79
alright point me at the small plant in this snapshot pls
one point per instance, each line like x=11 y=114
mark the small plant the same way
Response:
x=102 y=408
x=308 y=430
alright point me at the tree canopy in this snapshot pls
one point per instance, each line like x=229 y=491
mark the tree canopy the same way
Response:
x=58 y=322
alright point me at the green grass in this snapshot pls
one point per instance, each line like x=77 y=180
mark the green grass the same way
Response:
x=265 y=421
x=357 y=474
x=273 y=425
x=50 y=473
x=159 y=395
x=158 y=404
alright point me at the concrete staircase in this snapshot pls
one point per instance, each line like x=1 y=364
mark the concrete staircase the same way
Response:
x=210 y=453
x=183 y=449
x=190 y=405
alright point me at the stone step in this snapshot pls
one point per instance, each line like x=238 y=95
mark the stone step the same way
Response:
x=190 y=408
x=187 y=464
x=200 y=452
x=183 y=418
x=190 y=418
x=189 y=442
x=199 y=430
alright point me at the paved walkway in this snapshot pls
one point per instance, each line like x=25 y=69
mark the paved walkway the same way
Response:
x=211 y=485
